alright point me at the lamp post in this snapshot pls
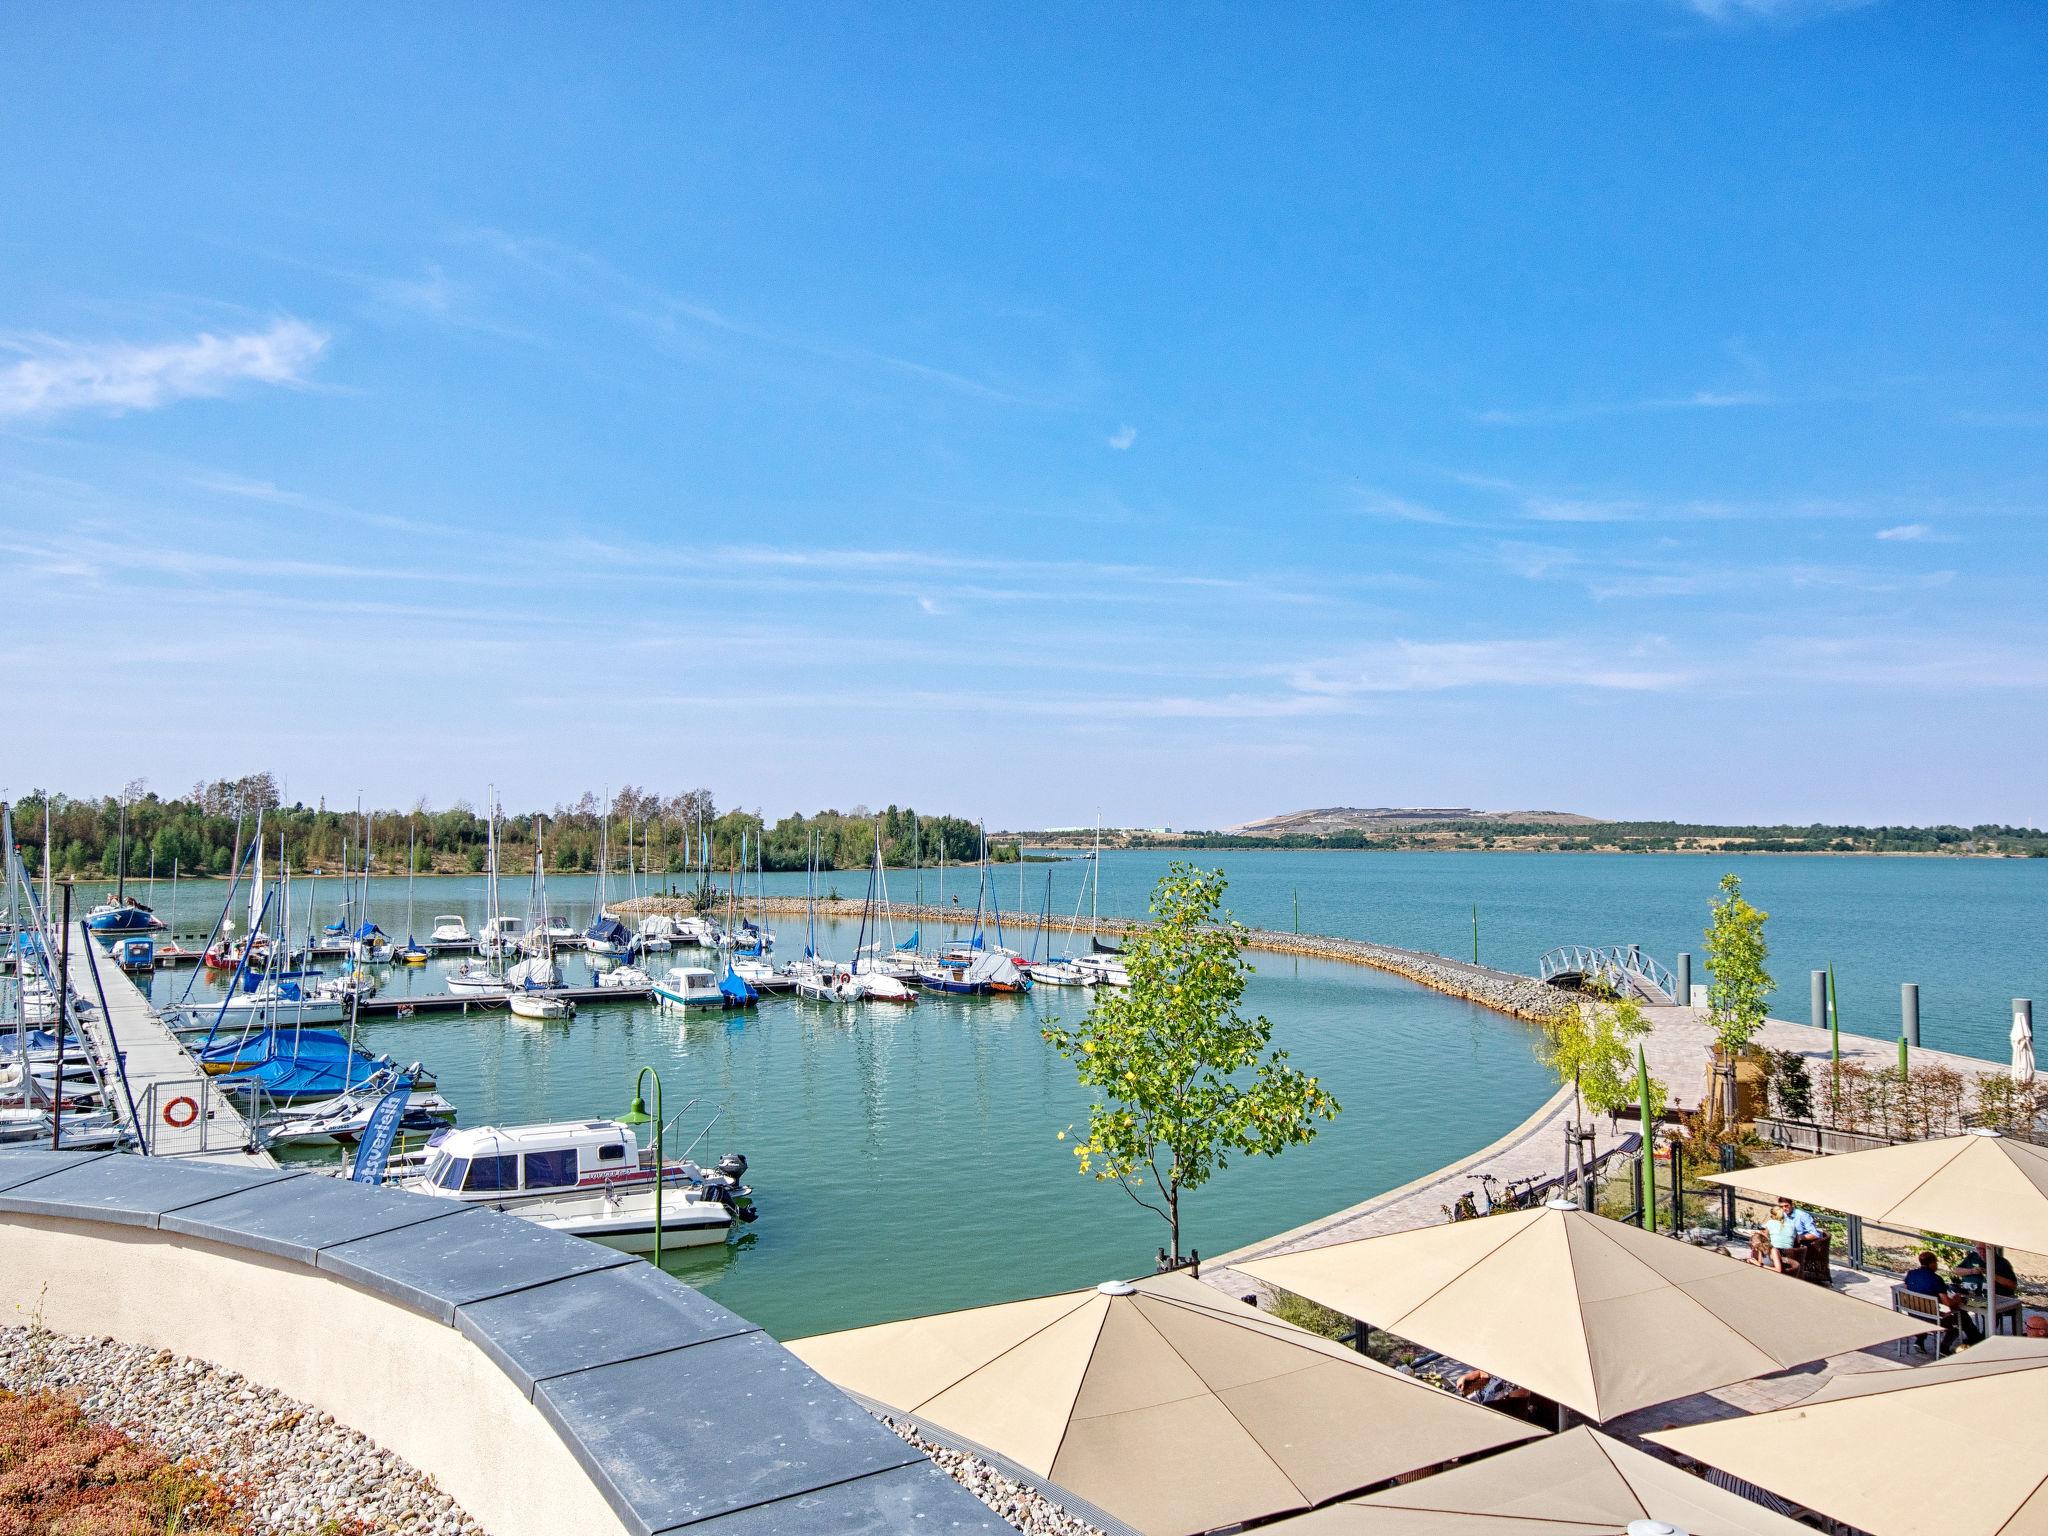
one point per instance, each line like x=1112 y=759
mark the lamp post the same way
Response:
x=636 y=1117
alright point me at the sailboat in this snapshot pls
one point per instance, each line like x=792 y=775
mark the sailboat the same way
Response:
x=122 y=913
x=369 y=944
x=606 y=935
x=412 y=952
x=533 y=979
x=499 y=937
x=1103 y=965
x=876 y=977
x=1052 y=970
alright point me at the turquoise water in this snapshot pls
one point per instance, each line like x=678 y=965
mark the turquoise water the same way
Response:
x=907 y=1161
x=1973 y=933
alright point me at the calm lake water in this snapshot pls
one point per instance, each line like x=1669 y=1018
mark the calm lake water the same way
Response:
x=907 y=1161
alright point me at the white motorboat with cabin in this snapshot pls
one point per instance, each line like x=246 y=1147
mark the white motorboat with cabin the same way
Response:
x=589 y=1178
x=625 y=978
x=450 y=932
x=690 y=986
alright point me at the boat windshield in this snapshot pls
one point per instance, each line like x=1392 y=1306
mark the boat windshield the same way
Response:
x=446 y=1172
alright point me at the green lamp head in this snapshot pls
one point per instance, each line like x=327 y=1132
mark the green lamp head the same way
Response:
x=637 y=1115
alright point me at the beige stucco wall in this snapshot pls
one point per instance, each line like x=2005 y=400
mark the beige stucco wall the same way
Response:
x=413 y=1385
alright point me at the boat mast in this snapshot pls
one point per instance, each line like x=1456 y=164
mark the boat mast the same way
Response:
x=121 y=864
x=1094 y=881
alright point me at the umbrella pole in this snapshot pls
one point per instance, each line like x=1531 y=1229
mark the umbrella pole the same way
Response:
x=1647 y=1155
x=1991 y=1253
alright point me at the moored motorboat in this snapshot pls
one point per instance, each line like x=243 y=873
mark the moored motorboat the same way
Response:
x=341 y=1120
x=450 y=932
x=625 y=978
x=589 y=1178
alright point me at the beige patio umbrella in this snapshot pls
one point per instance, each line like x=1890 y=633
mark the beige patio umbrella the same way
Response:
x=1955 y=1448
x=1163 y=1403
x=1579 y=1483
x=1597 y=1315
x=1978 y=1185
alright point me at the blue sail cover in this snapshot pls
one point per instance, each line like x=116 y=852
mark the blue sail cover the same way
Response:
x=738 y=991
x=285 y=1080
x=305 y=1045
x=607 y=930
x=911 y=942
x=371 y=931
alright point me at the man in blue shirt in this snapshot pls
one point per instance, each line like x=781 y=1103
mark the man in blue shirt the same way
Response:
x=1924 y=1279
x=1803 y=1224
x=1809 y=1248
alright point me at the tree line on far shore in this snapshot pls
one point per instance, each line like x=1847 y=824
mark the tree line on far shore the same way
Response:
x=201 y=832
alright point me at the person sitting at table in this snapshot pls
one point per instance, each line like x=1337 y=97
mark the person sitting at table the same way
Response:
x=1970 y=1272
x=1760 y=1250
x=1807 y=1237
x=1925 y=1279
x=1970 y=1283
x=2037 y=1327
x=1784 y=1244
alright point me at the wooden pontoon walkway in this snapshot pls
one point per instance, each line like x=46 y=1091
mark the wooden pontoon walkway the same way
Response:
x=158 y=1070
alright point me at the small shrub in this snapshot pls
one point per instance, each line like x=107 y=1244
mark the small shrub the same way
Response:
x=1313 y=1316
x=1791 y=1084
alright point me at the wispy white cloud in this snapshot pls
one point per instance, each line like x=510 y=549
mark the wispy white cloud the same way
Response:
x=669 y=317
x=1698 y=400
x=54 y=375
x=250 y=490
x=1906 y=533
x=1373 y=502
x=1122 y=438
x=1420 y=666
x=1780 y=12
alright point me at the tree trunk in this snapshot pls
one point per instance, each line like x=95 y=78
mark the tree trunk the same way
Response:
x=1173 y=1218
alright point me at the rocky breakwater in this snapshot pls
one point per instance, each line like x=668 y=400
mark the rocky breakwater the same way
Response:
x=1521 y=997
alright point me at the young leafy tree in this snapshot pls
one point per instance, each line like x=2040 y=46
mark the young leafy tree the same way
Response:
x=1184 y=1080
x=1593 y=1052
x=1736 y=952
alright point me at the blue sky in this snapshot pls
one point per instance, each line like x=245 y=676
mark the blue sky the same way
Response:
x=1187 y=413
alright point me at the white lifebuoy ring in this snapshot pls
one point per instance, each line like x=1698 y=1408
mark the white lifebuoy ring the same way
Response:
x=191 y=1106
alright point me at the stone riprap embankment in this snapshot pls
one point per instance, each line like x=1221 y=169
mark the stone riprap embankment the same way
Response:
x=1522 y=997
x=305 y=1472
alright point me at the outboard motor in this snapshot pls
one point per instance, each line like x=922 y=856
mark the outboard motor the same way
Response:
x=733 y=1165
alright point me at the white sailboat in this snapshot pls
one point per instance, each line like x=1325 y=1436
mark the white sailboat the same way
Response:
x=533 y=979
x=499 y=937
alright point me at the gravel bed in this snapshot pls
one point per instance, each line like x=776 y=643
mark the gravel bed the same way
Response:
x=1025 y=1508
x=305 y=1471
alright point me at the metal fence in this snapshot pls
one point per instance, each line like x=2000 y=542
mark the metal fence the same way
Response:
x=190 y=1117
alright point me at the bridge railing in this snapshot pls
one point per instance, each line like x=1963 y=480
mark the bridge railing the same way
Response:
x=1623 y=967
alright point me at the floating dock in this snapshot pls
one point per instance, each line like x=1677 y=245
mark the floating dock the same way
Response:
x=398 y=1006
x=174 y=1109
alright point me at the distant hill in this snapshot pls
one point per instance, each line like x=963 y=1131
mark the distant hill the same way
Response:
x=1380 y=818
